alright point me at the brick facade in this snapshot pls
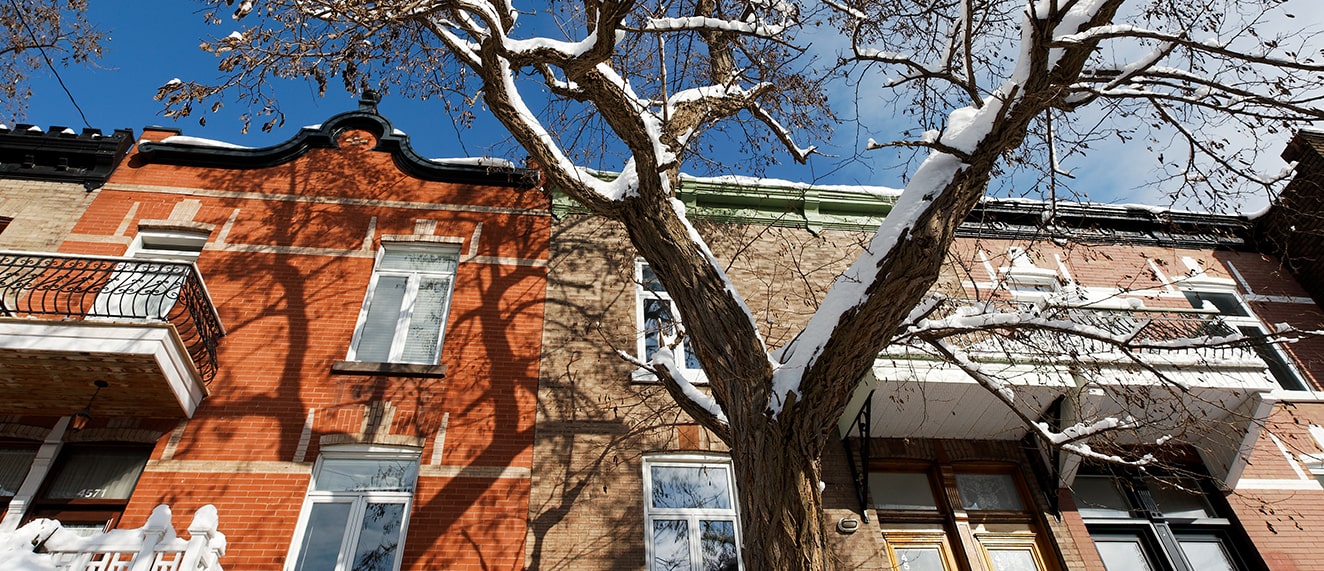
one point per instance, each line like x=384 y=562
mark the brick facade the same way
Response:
x=290 y=248
x=597 y=420
x=532 y=439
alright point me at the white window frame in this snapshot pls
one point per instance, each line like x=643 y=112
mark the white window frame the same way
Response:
x=184 y=246
x=1249 y=321
x=681 y=350
x=691 y=515
x=1161 y=537
x=357 y=500
x=187 y=246
x=407 y=304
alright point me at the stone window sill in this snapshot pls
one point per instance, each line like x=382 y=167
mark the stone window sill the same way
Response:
x=388 y=369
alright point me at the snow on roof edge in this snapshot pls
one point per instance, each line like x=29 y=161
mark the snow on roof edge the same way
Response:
x=200 y=142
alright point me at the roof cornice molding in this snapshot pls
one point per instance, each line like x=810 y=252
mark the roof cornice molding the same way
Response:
x=61 y=155
x=836 y=208
x=325 y=136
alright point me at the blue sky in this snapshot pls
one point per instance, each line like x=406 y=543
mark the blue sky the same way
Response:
x=158 y=40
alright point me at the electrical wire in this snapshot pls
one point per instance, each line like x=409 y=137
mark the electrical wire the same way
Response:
x=19 y=13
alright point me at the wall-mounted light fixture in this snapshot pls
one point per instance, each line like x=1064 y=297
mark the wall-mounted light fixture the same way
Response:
x=81 y=418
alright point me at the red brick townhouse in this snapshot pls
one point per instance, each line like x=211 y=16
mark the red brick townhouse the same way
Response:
x=935 y=472
x=332 y=340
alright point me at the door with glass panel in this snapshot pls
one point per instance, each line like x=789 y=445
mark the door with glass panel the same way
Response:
x=149 y=286
x=89 y=485
x=925 y=512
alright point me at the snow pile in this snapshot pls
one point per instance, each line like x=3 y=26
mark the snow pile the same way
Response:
x=200 y=142
x=16 y=547
x=475 y=161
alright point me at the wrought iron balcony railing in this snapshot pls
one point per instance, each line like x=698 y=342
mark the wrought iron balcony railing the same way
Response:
x=1171 y=332
x=66 y=286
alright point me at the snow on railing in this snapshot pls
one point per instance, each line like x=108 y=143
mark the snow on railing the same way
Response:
x=1008 y=329
x=43 y=545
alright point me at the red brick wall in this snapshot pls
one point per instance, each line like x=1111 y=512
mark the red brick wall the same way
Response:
x=287 y=267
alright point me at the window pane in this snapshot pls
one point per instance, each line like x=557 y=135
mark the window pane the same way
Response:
x=1123 y=555
x=1012 y=560
x=1099 y=496
x=14 y=465
x=1225 y=303
x=427 y=320
x=691 y=487
x=380 y=323
x=901 y=491
x=691 y=360
x=1176 y=502
x=1206 y=554
x=417 y=261
x=1274 y=359
x=657 y=325
x=321 y=538
x=718 y=541
x=671 y=545
x=919 y=559
x=988 y=492
x=102 y=473
x=347 y=475
x=379 y=538
x=650 y=281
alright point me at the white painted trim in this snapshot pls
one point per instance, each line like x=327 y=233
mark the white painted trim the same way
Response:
x=692 y=515
x=156 y=340
x=1255 y=428
x=41 y=466
x=357 y=500
x=1287 y=455
x=694 y=376
x=1285 y=485
x=345 y=201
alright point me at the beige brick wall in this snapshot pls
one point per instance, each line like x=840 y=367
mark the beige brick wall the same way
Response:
x=43 y=213
x=595 y=424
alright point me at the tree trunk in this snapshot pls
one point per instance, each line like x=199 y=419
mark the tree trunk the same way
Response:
x=781 y=506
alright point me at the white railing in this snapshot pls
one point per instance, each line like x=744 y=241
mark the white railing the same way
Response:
x=43 y=545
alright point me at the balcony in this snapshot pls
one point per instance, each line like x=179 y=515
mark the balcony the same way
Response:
x=148 y=328
x=1179 y=379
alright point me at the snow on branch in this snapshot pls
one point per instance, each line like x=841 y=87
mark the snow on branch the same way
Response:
x=1211 y=47
x=800 y=154
x=1068 y=439
x=701 y=23
x=703 y=408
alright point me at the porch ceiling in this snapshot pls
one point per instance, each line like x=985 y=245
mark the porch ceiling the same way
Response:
x=49 y=367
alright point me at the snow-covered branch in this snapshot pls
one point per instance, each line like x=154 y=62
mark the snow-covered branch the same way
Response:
x=700 y=23
x=1211 y=47
x=1069 y=439
x=702 y=408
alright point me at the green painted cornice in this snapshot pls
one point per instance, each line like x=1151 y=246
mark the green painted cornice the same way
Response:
x=776 y=203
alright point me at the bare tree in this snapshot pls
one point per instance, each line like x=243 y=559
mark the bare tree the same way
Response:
x=41 y=34
x=652 y=83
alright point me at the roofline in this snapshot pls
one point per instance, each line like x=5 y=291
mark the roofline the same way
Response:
x=60 y=155
x=834 y=208
x=325 y=136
